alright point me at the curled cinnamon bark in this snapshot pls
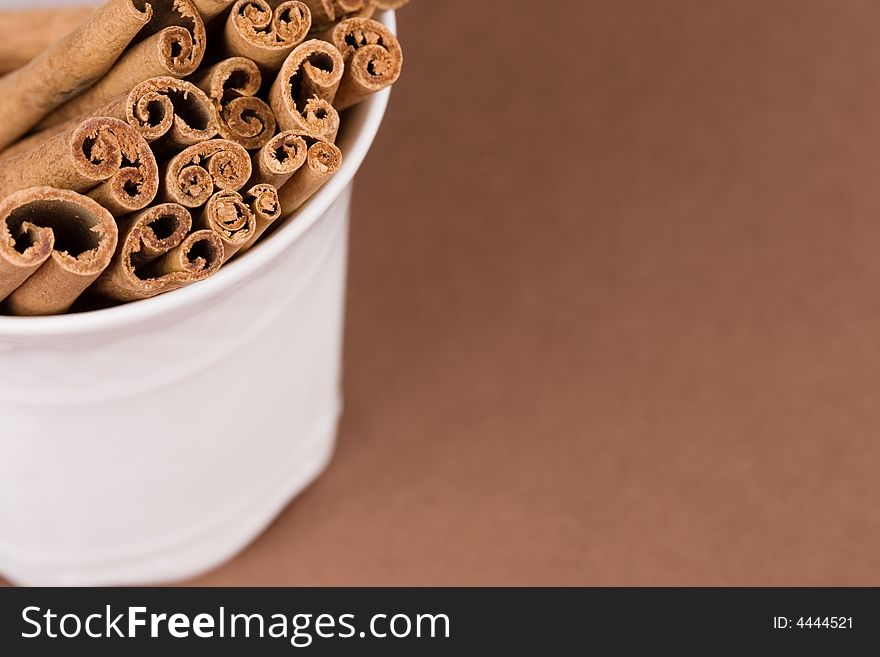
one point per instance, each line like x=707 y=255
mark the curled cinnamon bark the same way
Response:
x=266 y=32
x=303 y=92
x=232 y=86
x=53 y=244
x=231 y=219
x=350 y=8
x=170 y=113
x=158 y=253
x=323 y=11
x=298 y=164
x=28 y=94
x=174 y=46
x=210 y=9
x=103 y=156
x=372 y=55
x=191 y=177
x=327 y=12
x=265 y=204
x=385 y=5
x=322 y=162
x=28 y=32
x=278 y=160
x=175 y=113
x=266 y=207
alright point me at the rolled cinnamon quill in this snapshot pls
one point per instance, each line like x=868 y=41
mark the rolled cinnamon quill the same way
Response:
x=303 y=92
x=170 y=113
x=385 y=5
x=231 y=219
x=103 y=157
x=347 y=8
x=210 y=9
x=28 y=32
x=322 y=162
x=191 y=177
x=175 y=46
x=266 y=31
x=54 y=244
x=158 y=253
x=278 y=160
x=167 y=112
x=372 y=55
x=326 y=12
x=232 y=86
x=298 y=164
x=323 y=11
x=266 y=207
x=28 y=94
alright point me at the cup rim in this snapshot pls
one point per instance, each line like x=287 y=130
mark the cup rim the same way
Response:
x=232 y=274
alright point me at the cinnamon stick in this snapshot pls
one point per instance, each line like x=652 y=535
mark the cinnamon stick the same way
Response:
x=322 y=162
x=386 y=5
x=22 y=43
x=210 y=9
x=278 y=160
x=303 y=92
x=231 y=219
x=372 y=55
x=266 y=32
x=193 y=176
x=323 y=11
x=158 y=253
x=347 y=8
x=327 y=12
x=296 y=163
x=53 y=244
x=232 y=86
x=265 y=205
x=103 y=156
x=29 y=32
x=175 y=47
x=28 y=94
x=170 y=113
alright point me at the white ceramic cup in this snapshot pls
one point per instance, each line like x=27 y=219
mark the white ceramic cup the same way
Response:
x=153 y=441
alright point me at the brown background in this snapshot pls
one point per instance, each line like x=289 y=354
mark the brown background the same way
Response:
x=619 y=321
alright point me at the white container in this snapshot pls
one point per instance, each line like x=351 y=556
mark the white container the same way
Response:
x=153 y=441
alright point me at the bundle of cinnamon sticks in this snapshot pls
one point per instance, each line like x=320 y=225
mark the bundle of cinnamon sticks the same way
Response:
x=145 y=143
